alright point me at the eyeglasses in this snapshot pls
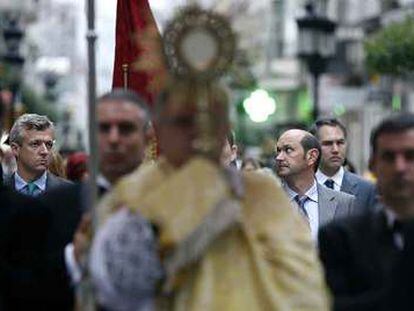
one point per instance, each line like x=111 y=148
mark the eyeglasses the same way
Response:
x=36 y=144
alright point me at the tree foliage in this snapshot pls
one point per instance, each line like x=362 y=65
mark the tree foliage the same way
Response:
x=391 y=50
x=34 y=103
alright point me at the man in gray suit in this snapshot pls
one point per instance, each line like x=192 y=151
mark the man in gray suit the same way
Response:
x=332 y=135
x=297 y=157
x=32 y=139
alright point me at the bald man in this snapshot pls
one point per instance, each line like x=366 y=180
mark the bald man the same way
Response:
x=298 y=155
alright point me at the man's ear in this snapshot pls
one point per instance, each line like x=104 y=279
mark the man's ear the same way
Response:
x=15 y=148
x=312 y=155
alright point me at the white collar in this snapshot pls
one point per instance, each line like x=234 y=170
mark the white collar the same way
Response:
x=20 y=183
x=337 y=177
x=312 y=192
x=390 y=217
x=103 y=182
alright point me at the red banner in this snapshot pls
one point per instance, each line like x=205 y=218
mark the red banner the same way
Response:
x=138 y=62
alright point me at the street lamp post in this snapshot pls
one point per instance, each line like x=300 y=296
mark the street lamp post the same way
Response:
x=316 y=46
x=13 y=35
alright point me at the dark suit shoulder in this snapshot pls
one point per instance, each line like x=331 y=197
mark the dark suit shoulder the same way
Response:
x=358 y=255
x=54 y=181
x=344 y=239
x=355 y=224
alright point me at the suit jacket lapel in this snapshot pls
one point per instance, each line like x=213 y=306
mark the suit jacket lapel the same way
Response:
x=326 y=205
x=51 y=181
x=385 y=247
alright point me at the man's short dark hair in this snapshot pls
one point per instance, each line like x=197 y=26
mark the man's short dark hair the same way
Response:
x=393 y=124
x=119 y=94
x=329 y=122
x=309 y=142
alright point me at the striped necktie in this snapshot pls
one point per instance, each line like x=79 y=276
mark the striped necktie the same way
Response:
x=301 y=200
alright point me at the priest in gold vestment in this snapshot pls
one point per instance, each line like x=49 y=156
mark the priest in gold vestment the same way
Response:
x=227 y=240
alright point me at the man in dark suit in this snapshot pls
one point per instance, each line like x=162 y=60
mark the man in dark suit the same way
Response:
x=332 y=136
x=24 y=226
x=33 y=274
x=297 y=157
x=401 y=295
x=33 y=233
x=31 y=139
x=360 y=254
x=123 y=130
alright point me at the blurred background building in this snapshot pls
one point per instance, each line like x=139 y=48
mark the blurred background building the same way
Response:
x=54 y=73
x=361 y=98
x=53 y=76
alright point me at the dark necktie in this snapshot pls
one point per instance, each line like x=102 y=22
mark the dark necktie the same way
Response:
x=301 y=200
x=329 y=183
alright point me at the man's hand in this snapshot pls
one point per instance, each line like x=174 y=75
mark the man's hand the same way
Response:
x=82 y=238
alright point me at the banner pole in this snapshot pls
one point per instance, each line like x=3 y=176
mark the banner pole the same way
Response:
x=85 y=295
x=93 y=144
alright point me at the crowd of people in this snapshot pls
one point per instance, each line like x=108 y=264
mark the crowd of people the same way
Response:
x=192 y=229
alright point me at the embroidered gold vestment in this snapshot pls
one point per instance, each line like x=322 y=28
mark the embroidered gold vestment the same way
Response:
x=266 y=262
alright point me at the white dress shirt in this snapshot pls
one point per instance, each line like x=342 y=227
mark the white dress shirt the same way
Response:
x=391 y=217
x=337 y=178
x=311 y=207
x=102 y=182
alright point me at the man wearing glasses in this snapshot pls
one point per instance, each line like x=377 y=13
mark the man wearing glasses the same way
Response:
x=31 y=139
